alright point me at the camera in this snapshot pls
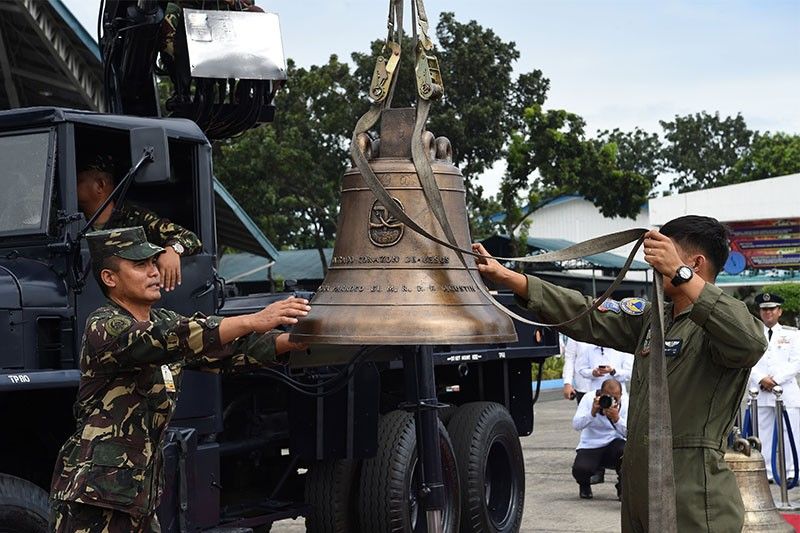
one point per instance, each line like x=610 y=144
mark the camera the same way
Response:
x=606 y=401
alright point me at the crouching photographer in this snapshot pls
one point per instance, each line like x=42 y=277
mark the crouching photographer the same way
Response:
x=601 y=419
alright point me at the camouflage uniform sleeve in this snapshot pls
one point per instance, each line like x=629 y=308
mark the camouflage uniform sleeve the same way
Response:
x=250 y=352
x=117 y=341
x=610 y=328
x=736 y=337
x=163 y=232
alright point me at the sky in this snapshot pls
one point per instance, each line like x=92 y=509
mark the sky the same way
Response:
x=617 y=63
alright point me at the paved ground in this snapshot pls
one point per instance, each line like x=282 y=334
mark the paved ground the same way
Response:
x=551 y=498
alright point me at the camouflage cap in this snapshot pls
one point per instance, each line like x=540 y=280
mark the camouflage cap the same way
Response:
x=127 y=243
x=99 y=162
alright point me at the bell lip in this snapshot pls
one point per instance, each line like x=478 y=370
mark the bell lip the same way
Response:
x=362 y=340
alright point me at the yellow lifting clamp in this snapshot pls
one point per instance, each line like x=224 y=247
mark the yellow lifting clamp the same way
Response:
x=429 y=77
x=383 y=73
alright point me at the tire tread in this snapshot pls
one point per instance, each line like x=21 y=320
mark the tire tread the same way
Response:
x=468 y=428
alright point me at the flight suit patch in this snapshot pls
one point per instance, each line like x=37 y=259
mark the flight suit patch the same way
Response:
x=672 y=347
x=633 y=306
x=609 y=305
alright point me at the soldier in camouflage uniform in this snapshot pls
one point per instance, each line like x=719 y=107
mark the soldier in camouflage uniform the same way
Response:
x=711 y=342
x=108 y=474
x=95 y=185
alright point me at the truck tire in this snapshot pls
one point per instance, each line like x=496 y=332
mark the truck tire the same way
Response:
x=387 y=497
x=24 y=507
x=491 y=468
x=330 y=489
x=446 y=413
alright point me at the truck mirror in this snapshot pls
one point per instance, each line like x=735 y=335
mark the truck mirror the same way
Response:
x=155 y=139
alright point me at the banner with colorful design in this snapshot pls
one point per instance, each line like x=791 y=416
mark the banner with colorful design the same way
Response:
x=764 y=244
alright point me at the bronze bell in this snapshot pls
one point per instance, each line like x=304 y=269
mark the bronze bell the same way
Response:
x=387 y=285
x=760 y=513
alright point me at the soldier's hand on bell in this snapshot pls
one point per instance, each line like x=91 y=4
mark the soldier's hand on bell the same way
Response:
x=487 y=265
x=491 y=269
x=660 y=252
x=282 y=313
x=169 y=266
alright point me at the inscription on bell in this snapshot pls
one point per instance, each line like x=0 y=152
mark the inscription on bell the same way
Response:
x=397 y=289
x=339 y=260
x=384 y=229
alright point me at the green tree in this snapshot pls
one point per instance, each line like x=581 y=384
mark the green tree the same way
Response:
x=550 y=155
x=701 y=149
x=286 y=174
x=770 y=155
x=637 y=151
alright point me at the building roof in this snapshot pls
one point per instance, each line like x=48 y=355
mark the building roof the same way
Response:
x=753 y=200
x=290 y=264
x=235 y=227
x=47 y=57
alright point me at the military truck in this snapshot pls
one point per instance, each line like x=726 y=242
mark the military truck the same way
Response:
x=335 y=444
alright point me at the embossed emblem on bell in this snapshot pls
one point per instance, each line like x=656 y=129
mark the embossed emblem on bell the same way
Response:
x=747 y=464
x=384 y=229
x=388 y=285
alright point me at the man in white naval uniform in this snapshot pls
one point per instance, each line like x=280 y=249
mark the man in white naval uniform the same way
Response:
x=575 y=385
x=779 y=366
x=597 y=364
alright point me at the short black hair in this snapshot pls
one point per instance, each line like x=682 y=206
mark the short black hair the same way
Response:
x=111 y=263
x=704 y=234
x=99 y=162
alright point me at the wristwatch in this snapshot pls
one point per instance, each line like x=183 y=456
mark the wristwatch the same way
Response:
x=179 y=249
x=683 y=275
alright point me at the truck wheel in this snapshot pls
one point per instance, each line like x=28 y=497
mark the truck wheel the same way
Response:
x=23 y=506
x=330 y=489
x=446 y=413
x=389 y=481
x=491 y=468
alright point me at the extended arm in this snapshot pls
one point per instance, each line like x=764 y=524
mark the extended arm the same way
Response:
x=164 y=232
x=737 y=338
x=119 y=341
x=556 y=304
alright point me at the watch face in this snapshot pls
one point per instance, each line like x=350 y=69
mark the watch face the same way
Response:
x=178 y=247
x=685 y=272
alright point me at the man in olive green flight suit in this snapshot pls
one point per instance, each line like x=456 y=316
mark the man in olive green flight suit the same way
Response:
x=108 y=474
x=711 y=342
